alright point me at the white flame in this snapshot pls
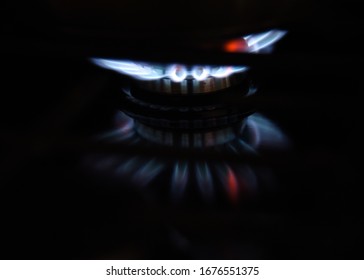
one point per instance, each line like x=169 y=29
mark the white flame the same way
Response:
x=177 y=73
x=262 y=42
x=200 y=73
x=224 y=71
x=137 y=70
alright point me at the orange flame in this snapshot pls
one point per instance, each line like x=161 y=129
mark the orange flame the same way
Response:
x=236 y=45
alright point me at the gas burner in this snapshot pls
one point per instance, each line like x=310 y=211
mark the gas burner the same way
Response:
x=194 y=79
x=190 y=108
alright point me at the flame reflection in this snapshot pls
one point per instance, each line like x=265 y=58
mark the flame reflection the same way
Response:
x=232 y=185
x=179 y=177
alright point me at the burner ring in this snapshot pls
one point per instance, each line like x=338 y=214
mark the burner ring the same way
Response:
x=207 y=111
x=191 y=85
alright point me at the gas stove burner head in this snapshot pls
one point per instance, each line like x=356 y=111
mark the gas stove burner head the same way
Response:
x=185 y=113
x=200 y=79
x=195 y=79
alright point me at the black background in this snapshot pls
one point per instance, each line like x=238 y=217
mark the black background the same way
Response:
x=52 y=210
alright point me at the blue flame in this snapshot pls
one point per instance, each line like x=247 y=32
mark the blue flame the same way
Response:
x=261 y=42
x=175 y=72
x=264 y=41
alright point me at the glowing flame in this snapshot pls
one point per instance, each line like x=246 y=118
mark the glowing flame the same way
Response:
x=200 y=73
x=175 y=72
x=254 y=43
x=236 y=45
x=136 y=70
x=263 y=42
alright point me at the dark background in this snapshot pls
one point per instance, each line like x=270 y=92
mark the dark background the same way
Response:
x=52 y=99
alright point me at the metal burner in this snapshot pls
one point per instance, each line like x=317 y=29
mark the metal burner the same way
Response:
x=190 y=112
x=191 y=85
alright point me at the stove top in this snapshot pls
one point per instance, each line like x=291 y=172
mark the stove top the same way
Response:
x=98 y=166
